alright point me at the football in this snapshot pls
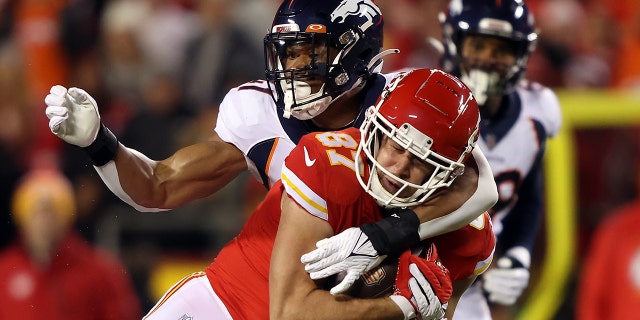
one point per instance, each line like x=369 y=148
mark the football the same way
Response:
x=378 y=282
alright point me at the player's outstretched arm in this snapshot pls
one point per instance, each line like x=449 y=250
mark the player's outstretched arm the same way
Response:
x=148 y=185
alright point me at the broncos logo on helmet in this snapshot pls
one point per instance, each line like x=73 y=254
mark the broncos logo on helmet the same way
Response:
x=363 y=8
x=343 y=39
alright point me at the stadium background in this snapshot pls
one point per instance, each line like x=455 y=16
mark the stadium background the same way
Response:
x=158 y=68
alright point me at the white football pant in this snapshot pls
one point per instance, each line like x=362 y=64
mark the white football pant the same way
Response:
x=191 y=298
x=472 y=305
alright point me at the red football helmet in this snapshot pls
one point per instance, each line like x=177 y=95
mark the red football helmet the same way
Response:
x=430 y=113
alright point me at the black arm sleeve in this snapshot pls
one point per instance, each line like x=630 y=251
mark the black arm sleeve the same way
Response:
x=395 y=233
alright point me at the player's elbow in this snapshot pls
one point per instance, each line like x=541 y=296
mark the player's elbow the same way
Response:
x=285 y=310
x=293 y=305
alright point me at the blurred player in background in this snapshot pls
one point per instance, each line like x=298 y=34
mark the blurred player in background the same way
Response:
x=609 y=286
x=49 y=272
x=487 y=44
x=414 y=142
x=322 y=73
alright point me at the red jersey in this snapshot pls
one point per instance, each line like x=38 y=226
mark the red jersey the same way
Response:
x=240 y=273
x=610 y=280
x=79 y=283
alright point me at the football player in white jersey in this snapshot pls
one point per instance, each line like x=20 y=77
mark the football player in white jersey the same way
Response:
x=323 y=59
x=487 y=44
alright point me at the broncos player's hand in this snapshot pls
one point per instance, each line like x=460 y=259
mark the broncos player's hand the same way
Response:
x=504 y=283
x=73 y=115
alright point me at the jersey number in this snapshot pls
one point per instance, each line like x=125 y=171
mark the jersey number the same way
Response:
x=336 y=140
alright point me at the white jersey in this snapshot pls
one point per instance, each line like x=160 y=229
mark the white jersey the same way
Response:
x=250 y=120
x=514 y=144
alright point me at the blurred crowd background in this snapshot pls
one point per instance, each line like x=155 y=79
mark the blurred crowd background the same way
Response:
x=159 y=68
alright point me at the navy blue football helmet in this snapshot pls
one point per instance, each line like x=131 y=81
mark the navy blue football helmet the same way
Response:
x=343 y=39
x=504 y=19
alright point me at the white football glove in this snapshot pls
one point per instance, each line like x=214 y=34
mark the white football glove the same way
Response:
x=73 y=115
x=505 y=283
x=350 y=251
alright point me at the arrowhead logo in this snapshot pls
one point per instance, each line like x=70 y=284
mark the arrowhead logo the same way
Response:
x=308 y=160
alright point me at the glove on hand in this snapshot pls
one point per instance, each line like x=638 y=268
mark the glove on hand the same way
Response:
x=73 y=115
x=424 y=284
x=504 y=283
x=350 y=251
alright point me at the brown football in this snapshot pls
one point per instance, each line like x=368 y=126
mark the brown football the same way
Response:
x=378 y=282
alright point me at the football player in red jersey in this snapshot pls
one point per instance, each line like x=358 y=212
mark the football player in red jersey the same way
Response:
x=487 y=44
x=323 y=59
x=413 y=142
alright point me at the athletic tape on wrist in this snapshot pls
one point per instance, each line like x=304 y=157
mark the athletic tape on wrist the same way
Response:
x=406 y=306
x=104 y=148
x=395 y=233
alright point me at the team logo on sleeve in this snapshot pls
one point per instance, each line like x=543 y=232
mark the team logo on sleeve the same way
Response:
x=361 y=8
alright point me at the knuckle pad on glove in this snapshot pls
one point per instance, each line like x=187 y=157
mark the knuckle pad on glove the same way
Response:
x=78 y=94
x=54 y=124
x=56 y=111
x=54 y=100
x=58 y=90
x=429 y=270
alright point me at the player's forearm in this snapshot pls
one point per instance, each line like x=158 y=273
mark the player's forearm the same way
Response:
x=128 y=176
x=321 y=305
x=482 y=199
x=191 y=173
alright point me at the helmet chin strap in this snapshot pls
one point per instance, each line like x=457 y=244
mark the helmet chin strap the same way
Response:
x=483 y=84
x=303 y=93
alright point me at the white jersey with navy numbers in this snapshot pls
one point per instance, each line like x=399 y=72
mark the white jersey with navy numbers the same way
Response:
x=249 y=119
x=514 y=143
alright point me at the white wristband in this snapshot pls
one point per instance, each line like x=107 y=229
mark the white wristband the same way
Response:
x=109 y=175
x=405 y=306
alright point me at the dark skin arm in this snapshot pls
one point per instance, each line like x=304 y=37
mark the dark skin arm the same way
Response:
x=202 y=169
x=447 y=200
x=191 y=173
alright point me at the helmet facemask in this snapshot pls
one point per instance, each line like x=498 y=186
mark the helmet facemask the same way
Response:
x=507 y=20
x=307 y=91
x=294 y=86
x=489 y=78
x=374 y=130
